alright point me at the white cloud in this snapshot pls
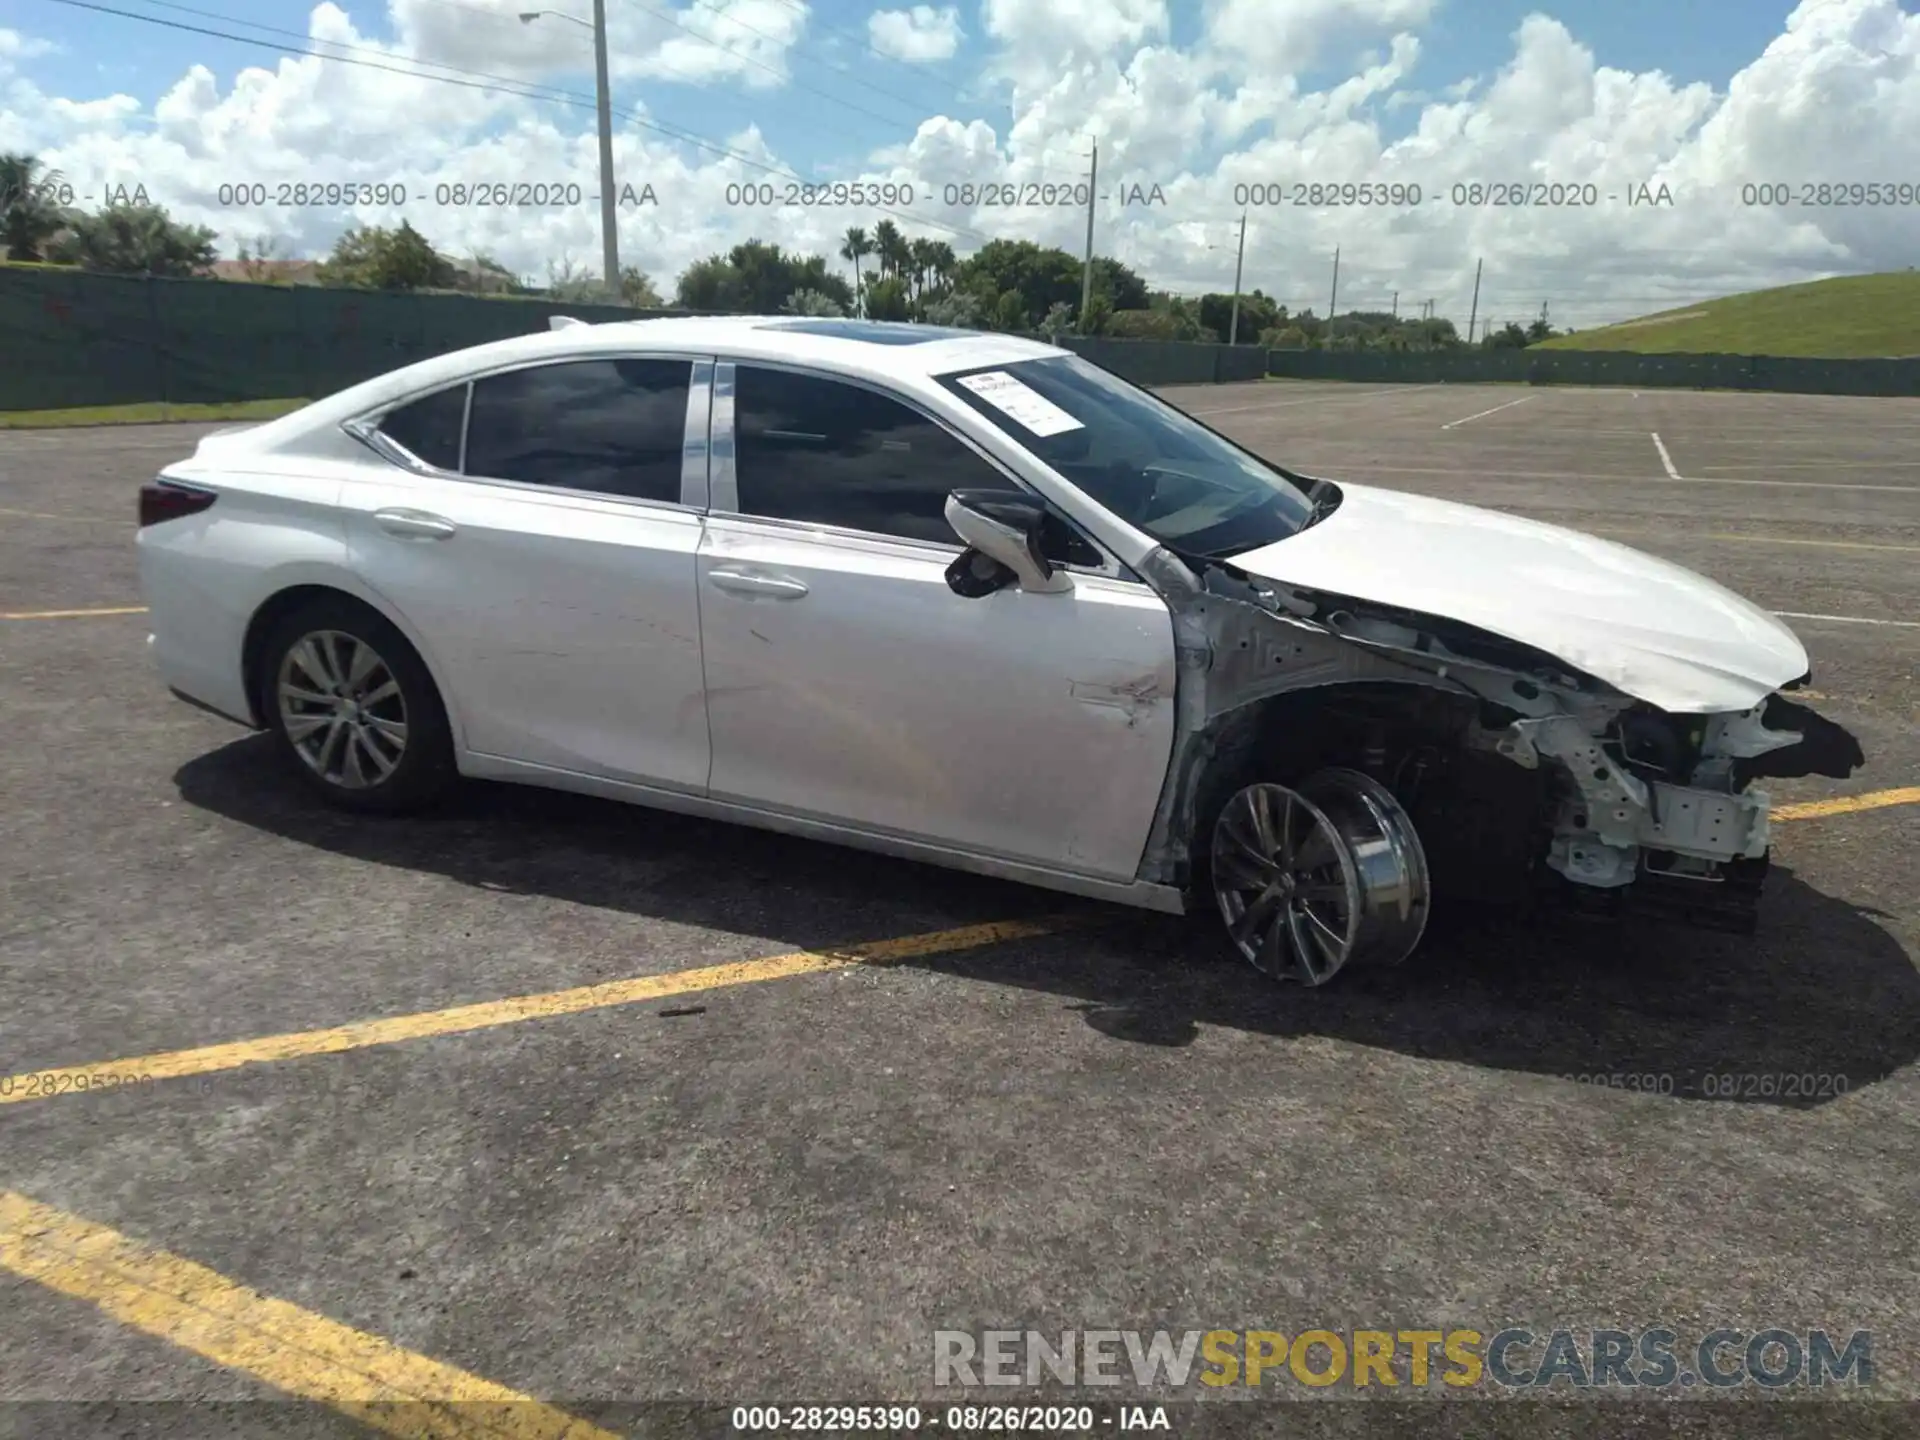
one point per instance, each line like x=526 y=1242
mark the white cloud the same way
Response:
x=1834 y=97
x=1252 y=37
x=920 y=34
x=702 y=44
x=16 y=47
x=1042 y=40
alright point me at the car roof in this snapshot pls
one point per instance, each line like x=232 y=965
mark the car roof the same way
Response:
x=902 y=355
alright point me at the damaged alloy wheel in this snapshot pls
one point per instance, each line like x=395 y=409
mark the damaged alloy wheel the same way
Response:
x=1313 y=879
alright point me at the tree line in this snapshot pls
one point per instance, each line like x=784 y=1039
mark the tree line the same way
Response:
x=1015 y=286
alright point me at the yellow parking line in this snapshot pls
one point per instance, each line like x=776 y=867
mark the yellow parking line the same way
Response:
x=52 y=1082
x=78 y=1079
x=294 y=1350
x=70 y=614
x=127 y=524
x=1847 y=804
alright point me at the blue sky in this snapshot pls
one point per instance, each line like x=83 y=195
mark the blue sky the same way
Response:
x=1703 y=95
x=1706 y=40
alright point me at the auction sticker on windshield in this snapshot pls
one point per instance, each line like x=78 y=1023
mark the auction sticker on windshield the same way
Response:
x=1020 y=402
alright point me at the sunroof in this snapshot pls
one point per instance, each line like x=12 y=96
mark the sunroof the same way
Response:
x=874 y=332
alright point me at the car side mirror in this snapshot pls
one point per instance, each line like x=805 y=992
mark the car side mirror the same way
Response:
x=1004 y=533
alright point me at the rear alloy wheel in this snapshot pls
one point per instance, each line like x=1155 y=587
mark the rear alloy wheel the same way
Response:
x=354 y=708
x=1311 y=880
x=342 y=709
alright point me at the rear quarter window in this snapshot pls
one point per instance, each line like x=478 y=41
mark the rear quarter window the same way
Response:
x=429 y=428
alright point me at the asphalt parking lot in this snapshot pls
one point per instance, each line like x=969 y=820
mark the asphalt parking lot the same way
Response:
x=720 y=1177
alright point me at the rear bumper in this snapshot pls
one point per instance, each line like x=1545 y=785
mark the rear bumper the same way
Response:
x=197 y=632
x=197 y=703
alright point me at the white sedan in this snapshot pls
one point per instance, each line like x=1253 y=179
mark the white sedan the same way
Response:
x=971 y=600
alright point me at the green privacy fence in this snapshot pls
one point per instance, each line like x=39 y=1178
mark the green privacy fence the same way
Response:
x=70 y=339
x=1170 y=362
x=1606 y=367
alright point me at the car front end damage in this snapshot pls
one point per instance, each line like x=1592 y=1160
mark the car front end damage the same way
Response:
x=1315 y=732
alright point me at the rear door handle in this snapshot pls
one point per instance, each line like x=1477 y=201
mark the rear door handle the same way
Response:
x=746 y=582
x=413 y=524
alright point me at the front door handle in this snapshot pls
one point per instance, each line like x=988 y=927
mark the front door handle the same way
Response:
x=746 y=582
x=413 y=524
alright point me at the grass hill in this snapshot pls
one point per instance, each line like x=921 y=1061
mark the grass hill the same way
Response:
x=1847 y=317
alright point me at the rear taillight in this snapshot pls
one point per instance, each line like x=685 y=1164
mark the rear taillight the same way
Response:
x=165 y=500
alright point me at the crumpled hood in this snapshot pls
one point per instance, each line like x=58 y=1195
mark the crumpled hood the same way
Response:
x=1651 y=629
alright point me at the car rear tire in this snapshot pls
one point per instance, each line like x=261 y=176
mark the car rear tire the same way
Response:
x=352 y=709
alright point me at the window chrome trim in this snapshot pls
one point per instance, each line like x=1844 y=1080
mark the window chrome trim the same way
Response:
x=695 y=442
x=725 y=499
x=365 y=427
x=466 y=422
x=723 y=496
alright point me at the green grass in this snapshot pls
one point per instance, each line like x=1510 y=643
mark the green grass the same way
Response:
x=148 y=412
x=1849 y=317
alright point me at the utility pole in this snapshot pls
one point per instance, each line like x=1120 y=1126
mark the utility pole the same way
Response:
x=1396 y=304
x=1233 y=325
x=603 y=105
x=1476 y=299
x=609 y=205
x=1336 y=290
x=1086 y=272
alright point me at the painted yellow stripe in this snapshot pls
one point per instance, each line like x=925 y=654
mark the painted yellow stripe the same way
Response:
x=129 y=523
x=69 y=614
x=1848 y=804
x=294 y=1350
x=171 y=1064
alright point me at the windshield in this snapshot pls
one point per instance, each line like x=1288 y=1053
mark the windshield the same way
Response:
x=1150 y=464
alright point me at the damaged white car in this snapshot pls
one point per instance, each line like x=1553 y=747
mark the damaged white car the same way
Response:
x=971 y=600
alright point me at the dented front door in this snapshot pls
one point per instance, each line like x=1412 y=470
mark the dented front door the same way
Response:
x=846 y=682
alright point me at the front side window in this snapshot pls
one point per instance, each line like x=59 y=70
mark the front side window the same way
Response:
x=823 y=451
x=1131 y=452
x=613 y=426
x=429 y=428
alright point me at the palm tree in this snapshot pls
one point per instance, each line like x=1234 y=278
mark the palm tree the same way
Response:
x=942 y=262
x=30 y=212
x=922 y=255
x=891 y=247
x=856 y=247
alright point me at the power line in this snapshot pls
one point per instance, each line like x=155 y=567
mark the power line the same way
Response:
x=915 y=102
x=554 y=92
x=494 y=85
x=733 y=19
x=712 y=43
x=840 y=100
x=864 y=42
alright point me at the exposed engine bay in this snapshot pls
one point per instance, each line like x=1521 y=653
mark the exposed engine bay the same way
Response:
x=1521 y=776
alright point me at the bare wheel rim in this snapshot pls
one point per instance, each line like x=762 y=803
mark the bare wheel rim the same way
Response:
x=1286 y=885
x=1312 y=880
x=341 y=706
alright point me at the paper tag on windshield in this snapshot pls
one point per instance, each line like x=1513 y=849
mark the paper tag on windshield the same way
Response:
x=1021 y=402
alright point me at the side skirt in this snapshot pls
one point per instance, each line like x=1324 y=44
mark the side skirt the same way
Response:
x=1137 y=893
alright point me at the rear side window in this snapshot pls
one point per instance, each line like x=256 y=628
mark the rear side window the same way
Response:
x=429 y=428
x=614 y=426
x=820 y=450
